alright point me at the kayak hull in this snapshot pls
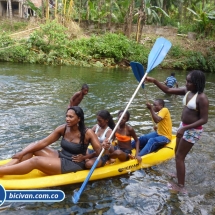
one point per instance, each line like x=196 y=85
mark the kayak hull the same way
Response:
x=36 y=179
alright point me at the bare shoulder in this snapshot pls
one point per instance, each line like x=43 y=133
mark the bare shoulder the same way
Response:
x=60 y=129
x=91 y=137
x=76 y=94
x=89 y=133
x=202 y=98
x=94 y=128
x=129 y=128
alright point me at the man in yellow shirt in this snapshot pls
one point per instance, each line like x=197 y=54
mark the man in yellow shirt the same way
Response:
x=163 y=130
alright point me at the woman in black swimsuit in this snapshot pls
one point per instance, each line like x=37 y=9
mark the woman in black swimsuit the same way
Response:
x=74 y=143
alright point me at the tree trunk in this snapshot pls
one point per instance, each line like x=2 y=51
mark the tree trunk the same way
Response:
x=141 y=21
x=164 y=6
x=180 y=9
x=47 y=10
x=10 y=10
x=110 y=15
x=128 y=20
x=88 y=11
x=56 y=8
x=100 y=3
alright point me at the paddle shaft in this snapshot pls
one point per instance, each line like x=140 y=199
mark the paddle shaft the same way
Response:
x=120 y=119
x=77 y=195
x=152 y=63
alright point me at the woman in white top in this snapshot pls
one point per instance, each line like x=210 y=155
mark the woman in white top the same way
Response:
x=103 y=130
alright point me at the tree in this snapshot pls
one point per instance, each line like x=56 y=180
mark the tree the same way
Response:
x=129 y=19
x=203 y=16
x=142 y=17
x=10 y=10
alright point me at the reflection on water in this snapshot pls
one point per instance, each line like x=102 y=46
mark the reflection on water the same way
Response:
x=33 y=100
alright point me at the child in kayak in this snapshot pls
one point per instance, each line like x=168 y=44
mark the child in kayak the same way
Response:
x=123 y=135
x=103 y=130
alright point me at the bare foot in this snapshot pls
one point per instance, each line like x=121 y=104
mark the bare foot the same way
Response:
x=177 y=188
x=110 y=161
x=172 y=175
x=131 y=156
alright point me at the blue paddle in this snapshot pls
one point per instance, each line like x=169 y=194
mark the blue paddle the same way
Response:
x=157 y=54
x=138 y=71
x=77 y=195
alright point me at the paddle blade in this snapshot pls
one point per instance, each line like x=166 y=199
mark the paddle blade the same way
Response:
x=158 y=53
x=77 y=195
x=138 y=71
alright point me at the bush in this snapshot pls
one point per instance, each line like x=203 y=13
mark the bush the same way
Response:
x=115 y=46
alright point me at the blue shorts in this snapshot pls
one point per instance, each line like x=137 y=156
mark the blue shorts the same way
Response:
x=126 y=151
x=104 y=158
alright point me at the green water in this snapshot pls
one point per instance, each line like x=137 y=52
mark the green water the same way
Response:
x=33 y=101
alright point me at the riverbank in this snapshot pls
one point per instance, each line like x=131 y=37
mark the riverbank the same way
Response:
x=54 y=44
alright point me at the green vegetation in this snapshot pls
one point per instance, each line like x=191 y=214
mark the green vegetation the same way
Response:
x=60 y=41
x=51 y=45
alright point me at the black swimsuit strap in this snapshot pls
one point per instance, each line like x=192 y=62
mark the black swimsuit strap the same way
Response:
x=64 y=131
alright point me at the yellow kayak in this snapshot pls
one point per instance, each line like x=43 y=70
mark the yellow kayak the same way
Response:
x=37 y=179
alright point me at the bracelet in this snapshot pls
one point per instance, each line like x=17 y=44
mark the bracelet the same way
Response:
x=109 y=148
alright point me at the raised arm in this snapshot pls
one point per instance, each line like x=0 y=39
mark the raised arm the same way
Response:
x=38 y=145
x=165 y=89
x=155 y=117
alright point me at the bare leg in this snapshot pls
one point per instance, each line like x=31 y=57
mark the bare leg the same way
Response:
x=50 y=166
x=182 y=150
x=177 y=143
x=174 y=175
x=46 y=152
x=89 y=163
x=122 y=156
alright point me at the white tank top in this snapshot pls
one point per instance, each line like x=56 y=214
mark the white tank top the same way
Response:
x=103 y=136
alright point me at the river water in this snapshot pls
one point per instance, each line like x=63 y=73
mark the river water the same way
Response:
x=33 y=101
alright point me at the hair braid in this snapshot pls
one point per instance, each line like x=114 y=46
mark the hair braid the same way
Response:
x=198 y=79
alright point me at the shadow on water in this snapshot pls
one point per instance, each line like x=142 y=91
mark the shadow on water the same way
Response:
x=33 y=101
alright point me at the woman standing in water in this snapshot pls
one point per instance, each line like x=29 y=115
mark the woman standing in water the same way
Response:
x=71 y=158
x=194 y=115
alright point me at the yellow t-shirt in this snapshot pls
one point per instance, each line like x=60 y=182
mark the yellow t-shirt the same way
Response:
x=164 y=127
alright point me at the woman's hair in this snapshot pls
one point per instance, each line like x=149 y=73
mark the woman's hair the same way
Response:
x=104 y=114
x=81 y=126
x=127 y=113
x=198 y=79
